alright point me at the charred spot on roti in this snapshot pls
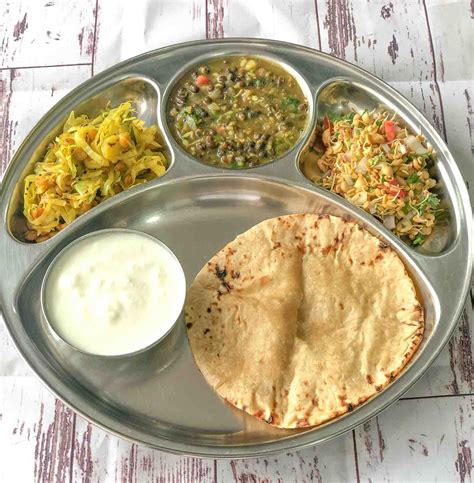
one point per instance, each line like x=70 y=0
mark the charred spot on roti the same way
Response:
x=267 y=365
x=326 y=250
x=380 y=256
x=342 y=398
x=303 y=423
x=221 y=272
x=259 y=414
x=189 y=325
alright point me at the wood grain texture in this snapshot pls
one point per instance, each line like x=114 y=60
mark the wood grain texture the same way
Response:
x=412 y=45
x=388 y=38
x=45 y=33
x=451 y=39
x=36 y=433
x=433 y=443
x=331 y=461
x=287 y=20
x=130 y=462
x=124 y=31
x=25 y=95
x=452 y=371
x=458 y=99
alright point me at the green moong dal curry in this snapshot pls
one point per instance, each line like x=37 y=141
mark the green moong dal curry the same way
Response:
x=238 y=112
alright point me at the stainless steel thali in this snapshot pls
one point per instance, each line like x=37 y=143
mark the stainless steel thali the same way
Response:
x=159 y=398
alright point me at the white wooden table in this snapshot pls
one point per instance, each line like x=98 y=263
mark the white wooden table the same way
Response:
x=422 y=47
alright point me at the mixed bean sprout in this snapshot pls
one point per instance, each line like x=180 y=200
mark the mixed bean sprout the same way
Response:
x=377 y=164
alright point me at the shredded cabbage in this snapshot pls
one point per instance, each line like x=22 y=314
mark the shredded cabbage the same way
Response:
x=91 y=160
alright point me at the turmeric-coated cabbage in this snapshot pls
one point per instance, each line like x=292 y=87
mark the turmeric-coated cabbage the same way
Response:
x=91 y=160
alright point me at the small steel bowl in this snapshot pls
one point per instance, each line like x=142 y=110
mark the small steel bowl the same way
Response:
x=167 y=327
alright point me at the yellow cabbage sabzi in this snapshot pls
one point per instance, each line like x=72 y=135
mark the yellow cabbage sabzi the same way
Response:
x=91 y=160
x=377 y=164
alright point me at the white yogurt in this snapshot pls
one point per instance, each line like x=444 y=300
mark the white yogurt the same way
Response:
x=114 y=292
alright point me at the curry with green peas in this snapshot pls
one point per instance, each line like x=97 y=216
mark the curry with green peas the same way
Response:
x=237 y=112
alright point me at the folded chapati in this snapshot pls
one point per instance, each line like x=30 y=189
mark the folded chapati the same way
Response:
x=302 y=318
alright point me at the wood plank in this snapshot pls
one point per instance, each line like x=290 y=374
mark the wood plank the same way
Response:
x=124 y=31
x=45 y=33
x=458 y=102
x=451 y=39
x=332 y=461
x=36 y=432
x=26 y=95
x=99 y=456
x=418 y=440
x=452 y=371
x=11 y=364
x=389 y=39
x=424 y=95
x=285 y=20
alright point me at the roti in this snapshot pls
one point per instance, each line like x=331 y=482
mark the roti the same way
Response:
x=302 y=318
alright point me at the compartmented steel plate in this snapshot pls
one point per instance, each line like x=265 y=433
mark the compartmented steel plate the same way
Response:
x=158 y=397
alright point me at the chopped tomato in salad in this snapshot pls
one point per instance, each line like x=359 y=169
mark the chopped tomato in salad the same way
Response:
x=377 y=164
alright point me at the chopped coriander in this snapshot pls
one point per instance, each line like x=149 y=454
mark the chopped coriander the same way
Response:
x=383 y=179
x=290 y=103
x=430 y=200
x=342 y=117
x=199 y=112
x=419 y=239
x=413 y=178
x=433 y=200
x=379 y=122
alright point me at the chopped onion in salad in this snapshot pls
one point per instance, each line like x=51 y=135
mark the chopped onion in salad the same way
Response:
x=373 y=161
